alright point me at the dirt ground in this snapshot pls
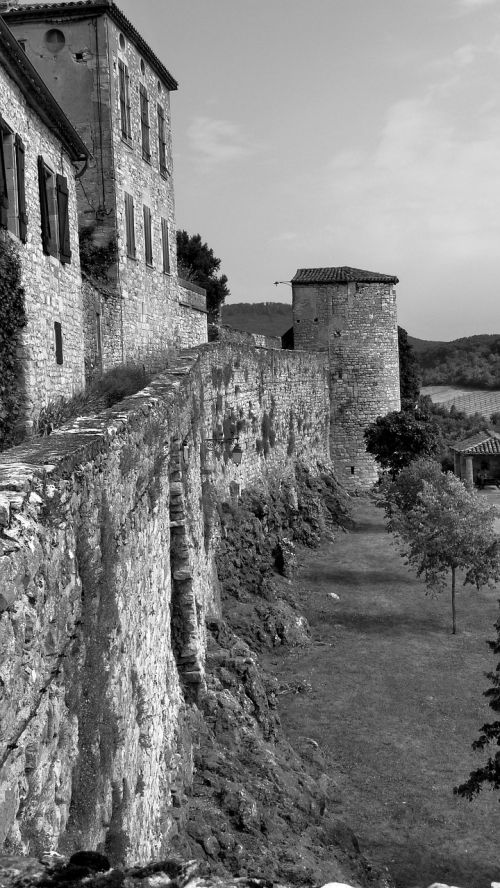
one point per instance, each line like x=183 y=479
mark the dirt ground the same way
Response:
x=395 y=701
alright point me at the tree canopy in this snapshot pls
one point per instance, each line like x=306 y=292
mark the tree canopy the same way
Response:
x=196 y=262
x=409 y=372
x=444 y=527
x=400 y=437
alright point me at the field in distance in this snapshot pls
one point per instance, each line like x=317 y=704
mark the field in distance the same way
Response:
x=468 y=401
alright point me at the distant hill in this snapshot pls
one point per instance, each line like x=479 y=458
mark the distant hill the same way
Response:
x=471 y=361
x=270 y=318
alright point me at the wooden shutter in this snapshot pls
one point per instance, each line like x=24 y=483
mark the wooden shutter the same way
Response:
x=4 y=194
x=148 y=241
x=165 y=246
x=63 y=218
x=130 y=225
x=146 y=150
x=162 y=145
x=21 y=189
x=44 y=206
x=124 y=81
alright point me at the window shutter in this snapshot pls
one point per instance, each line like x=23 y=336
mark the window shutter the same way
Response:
x=148 y=241
x=124 y=81
x=130 y=225
x=162 y=145
x=21 y=189
x=4 y=195
x=146 y=152
x=44 y=207
x=63 y=218
x=165 y=246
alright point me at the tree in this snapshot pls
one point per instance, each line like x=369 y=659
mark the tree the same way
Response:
x=448 y=529
x=400 y=437
x=196 y=262
x=490 y=734
x=409 y=372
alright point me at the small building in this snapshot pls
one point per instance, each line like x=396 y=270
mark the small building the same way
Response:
x=351 y=314
x=40 y=155
x=116 y=92
x=477 y=459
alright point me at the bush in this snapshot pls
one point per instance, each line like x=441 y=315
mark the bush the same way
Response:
x=12 y=321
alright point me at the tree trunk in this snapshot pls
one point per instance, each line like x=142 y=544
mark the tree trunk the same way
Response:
x=453 y=609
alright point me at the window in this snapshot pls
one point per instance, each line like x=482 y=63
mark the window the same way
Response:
x=54 y=212
x=124 y=80
x=165 y=246
x=148 y=240
x=130 y=225
x=162 y=143
x=63 y=219
x=46 y=186
x=12 y=186
x=59 y=342
x=146 y=150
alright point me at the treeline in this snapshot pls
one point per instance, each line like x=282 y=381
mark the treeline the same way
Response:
x=269 y=318
x=473 y=361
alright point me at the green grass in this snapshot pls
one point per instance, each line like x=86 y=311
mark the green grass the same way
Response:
x=395 y=702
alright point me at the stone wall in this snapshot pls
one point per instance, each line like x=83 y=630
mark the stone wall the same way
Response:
x=107 y=577
x=52 y=289
x=192 y=315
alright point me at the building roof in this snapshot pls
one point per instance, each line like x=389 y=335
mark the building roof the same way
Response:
x=342 y=274
x=37 y=94
x=84 y=8
x=487 y=442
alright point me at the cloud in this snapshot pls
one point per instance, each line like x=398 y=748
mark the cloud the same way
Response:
x=471 y=5
x=215 y=141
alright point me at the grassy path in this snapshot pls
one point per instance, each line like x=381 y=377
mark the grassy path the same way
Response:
x=395 y=701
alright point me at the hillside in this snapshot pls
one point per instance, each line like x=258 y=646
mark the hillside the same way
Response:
x=270 y=318
x=471 y=361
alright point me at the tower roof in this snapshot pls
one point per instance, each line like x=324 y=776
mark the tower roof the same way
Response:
x=342 y=274
x=37 y=94
x=86 y=8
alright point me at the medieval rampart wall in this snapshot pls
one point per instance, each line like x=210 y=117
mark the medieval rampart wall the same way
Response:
x=107 y=530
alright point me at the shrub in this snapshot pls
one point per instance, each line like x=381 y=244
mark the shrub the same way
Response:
x=12 y=321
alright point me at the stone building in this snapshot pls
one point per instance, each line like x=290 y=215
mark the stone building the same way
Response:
x=477 y=458
x=40 y=154
x=116 y=92
x=351 y=314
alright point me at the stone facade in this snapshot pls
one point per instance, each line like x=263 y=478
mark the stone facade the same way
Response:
x=117 y=95
x=107 y=577
x=52 y=286
x=350 y=315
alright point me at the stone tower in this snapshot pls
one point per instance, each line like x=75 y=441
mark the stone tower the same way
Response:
x=351 y=314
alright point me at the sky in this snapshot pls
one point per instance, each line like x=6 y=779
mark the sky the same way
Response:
x=312 y=133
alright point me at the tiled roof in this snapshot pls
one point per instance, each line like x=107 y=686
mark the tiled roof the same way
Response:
x=487 y=442
x=95 y=7
x=341 y=275
x=37 y=94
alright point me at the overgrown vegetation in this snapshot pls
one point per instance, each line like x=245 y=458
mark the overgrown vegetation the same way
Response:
x=96 y=260
x=12 y=321
x=108 y=389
